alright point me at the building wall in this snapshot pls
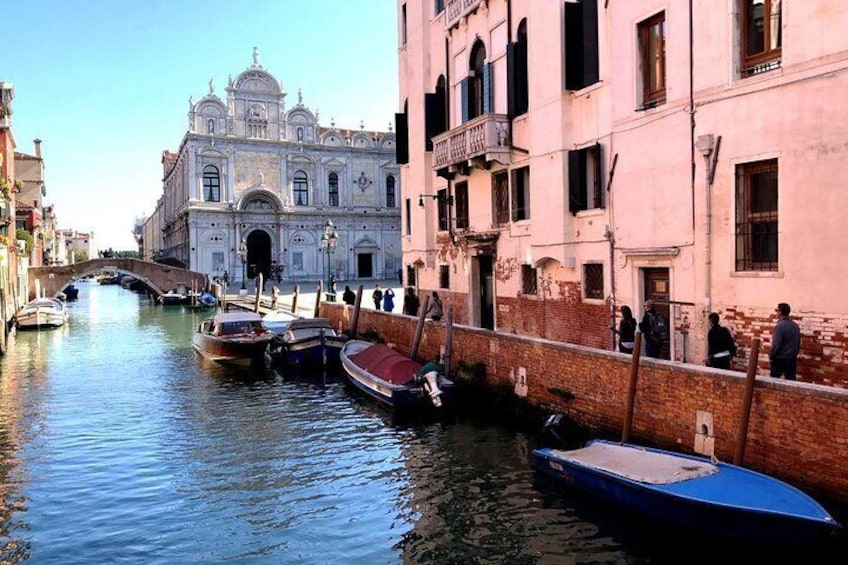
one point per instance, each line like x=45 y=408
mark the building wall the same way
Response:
x=796 y=432
x=659 y=211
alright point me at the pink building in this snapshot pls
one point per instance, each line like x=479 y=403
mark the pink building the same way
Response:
x=567 y=158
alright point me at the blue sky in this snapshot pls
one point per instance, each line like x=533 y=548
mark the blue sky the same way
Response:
x=105 y=84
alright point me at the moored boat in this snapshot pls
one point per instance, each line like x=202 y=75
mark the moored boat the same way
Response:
x=689 y=492
x=235 y=338
x=392 y=378
x=278 y=321
x=71 y=292
x=307 y=342
x=42 y=313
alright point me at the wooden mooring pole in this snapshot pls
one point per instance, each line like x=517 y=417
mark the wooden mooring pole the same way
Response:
x=351 y=332
x=631 y=390
x=448 y=340
x=294 y=298
x=745 y=417
x=318 y=291
x=419 y=329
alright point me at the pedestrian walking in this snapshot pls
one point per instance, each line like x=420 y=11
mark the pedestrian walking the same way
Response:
x=626 y=331
x=389 y=300
x=377 y=297
x=721 y=349
x=434 y=309
x=410 y=302
x=655 y=329
x=785 y=344
x=226 y=279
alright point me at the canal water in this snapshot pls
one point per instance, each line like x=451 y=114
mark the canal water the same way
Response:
x=118 y=444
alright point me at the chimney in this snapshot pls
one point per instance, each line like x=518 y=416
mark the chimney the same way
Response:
x=37 y=143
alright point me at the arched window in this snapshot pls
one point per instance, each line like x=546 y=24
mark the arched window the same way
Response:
x=333 y=183
x=211 y=184
x=390 y=191
x=210 y=126
x=301 y=189
x=477 y=87
x=520 y=77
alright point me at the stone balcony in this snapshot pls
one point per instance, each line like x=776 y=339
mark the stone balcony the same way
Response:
x=455 y=10
x=485 y=138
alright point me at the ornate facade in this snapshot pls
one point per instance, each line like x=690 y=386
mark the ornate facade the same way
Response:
x=254 y=182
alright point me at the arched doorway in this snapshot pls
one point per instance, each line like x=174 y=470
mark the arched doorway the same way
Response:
x=258 y=254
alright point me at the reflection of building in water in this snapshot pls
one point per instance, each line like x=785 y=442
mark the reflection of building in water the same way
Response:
x=249 y=169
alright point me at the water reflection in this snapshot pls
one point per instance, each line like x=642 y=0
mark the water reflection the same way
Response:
x=119 y=443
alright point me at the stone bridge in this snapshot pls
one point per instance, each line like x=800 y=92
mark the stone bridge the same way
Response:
x=160 y=278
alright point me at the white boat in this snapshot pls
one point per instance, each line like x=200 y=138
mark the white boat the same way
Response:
x=42 y=313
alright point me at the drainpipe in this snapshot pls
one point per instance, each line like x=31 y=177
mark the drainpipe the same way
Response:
x=611 y=240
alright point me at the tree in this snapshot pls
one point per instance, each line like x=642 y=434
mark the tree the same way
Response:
x=25 y=236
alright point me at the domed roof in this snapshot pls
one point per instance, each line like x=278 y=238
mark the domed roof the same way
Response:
x=256 y=79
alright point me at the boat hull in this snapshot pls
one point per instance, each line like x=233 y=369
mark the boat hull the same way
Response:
x=240 y=351
x=42 y=313
x=732 y=502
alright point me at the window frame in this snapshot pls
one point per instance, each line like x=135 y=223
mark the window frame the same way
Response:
x=211 y=184
x=300 y=187
x=529 y=280
x=442 y=209
x=500 y=199
x=333 y=189
x=579 y=191
x=408 y=204
x=520 y=194
x=595 y=292
x=391 y=199
x=652 y=96
x=770 y=57
x=444 y=277
x=748 y=220
x=460 y=197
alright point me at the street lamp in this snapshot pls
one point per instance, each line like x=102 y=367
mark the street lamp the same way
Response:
x=329 y=241
x=243 y=255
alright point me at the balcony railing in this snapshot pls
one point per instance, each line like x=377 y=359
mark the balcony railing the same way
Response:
x=456 y=9
x=485 y=136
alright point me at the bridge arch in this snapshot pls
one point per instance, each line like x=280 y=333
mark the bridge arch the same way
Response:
x=160 y=278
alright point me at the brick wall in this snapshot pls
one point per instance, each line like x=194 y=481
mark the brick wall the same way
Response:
x=798 y=431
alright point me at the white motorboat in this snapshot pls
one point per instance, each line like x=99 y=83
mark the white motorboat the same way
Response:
x=42 y=313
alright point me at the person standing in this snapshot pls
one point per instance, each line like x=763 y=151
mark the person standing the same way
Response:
x=410 y=302
x=655 y=329
x=785 y=344
x=434 y=309
x=226 y=279
x=348 y=296
x=626 y=331
x=377 y=297
x=720 y=345
x=389 y=300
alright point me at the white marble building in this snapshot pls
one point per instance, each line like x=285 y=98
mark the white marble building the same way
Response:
x=252 y=170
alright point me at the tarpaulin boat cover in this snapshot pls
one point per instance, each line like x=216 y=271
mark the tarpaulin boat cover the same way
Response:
x=387 y=364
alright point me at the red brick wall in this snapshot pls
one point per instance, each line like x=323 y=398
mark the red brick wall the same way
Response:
x=798 y=432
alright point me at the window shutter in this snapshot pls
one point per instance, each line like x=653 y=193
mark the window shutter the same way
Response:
x=523 y=79
x=573 y=46
x=488 y=91
x=401 y=139
x=590 y=42
x=465 y=92
x=431 y=119
x=598 y=189
x=511 y=79
x=577 y=180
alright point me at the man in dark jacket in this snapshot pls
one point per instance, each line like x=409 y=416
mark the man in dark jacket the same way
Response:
x=410 y=302
x=348 y=296
x=721 y=347
x=785 y=343
x=377 y=296
x=653 y=343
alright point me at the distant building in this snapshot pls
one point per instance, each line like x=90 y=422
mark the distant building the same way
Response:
x=254 y=182
x=569 y=158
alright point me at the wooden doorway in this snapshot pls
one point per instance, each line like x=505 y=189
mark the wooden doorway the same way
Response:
x=657 y=288
x=364 y=265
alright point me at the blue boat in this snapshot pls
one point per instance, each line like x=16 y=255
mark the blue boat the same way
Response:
x=702 y=495
x=306 y=342
x=391 y=378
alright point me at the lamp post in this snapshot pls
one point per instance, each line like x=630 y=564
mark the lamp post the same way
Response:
x=329 y=241
x=243 y=255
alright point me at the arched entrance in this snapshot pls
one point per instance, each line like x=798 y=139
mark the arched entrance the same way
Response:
x=258 y=254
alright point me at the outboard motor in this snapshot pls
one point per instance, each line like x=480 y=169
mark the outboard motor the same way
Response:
x=563 y=431
x=429 y=375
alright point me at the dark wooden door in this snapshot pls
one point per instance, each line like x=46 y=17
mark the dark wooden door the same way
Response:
x=657 y=288
x=487 y=292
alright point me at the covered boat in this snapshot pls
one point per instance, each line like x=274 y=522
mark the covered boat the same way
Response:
x=278 y=321
x=236 y=338
x=702 y=495
x=392 y=378
x=71 y=292
x=42 y=313
x=306 y=341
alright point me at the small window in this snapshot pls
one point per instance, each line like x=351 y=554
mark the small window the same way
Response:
x=442 y=200
x=403 y=24
x=585 y=189
x=581 y=44
x=410 y=275
x=500 y=199
x=444 y=276
x=333 y=184
x=529 y=280
x=521 y=194
x=593 y=281
x=440 y=6
x=761 y=35
x=756 y=216
x=408 y=205
x=652 y=52
x=301 y=189
x=211 y=184
x=461 y=199
x=390 y=191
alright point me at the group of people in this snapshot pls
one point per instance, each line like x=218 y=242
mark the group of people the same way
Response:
x=385 y=300
x=721 y=347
